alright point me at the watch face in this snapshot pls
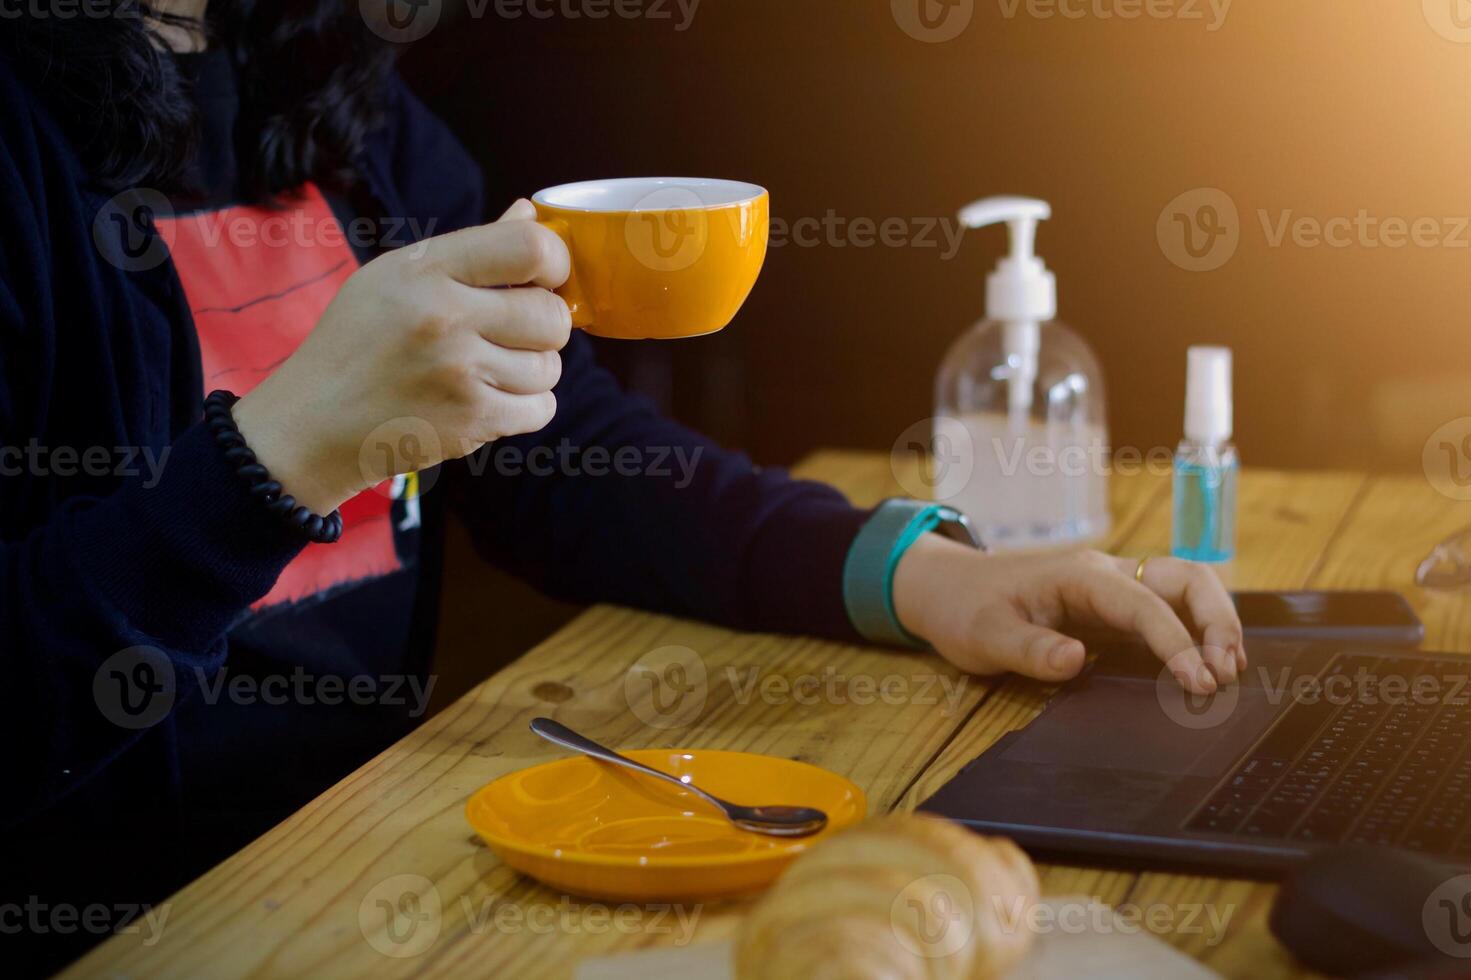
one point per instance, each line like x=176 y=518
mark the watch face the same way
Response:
x=957 y=527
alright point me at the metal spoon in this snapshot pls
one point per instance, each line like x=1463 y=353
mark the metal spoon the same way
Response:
x=776 y=821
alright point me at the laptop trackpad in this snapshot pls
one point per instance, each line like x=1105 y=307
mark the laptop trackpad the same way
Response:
x=1128 y=724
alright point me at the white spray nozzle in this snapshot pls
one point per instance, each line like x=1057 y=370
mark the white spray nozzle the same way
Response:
x=1208 y=403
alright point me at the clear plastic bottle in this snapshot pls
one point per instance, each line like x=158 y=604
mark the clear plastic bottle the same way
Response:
x=1023 y=396
x=1205 y=498
x=1206 y=465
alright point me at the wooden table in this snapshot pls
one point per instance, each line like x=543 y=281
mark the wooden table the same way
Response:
x=290 y=903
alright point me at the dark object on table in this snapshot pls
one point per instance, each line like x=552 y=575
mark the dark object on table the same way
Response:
x=1354 y=910
x=1381 y=618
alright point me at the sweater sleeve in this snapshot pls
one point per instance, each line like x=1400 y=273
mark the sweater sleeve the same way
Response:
x=117 y=607
x=116 y=592
x=613 y=502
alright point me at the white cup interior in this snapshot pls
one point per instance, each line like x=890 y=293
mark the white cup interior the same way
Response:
x=648 y=194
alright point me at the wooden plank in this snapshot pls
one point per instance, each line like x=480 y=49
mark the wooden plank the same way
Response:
x=1394 y=527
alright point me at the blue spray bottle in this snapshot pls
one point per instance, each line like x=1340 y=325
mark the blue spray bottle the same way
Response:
x=1206 y=466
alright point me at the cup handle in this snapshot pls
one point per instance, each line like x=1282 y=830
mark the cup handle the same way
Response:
x=571 y=290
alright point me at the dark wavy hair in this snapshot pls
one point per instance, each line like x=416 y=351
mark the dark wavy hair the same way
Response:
x=311 y=75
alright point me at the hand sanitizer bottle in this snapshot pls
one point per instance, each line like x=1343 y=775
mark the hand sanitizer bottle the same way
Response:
x=1205 y=464
x=1023 y=395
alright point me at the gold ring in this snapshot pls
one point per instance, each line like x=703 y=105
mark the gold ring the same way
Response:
x=1139 y=572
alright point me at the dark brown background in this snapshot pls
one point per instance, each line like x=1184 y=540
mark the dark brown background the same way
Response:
x=1346 y=357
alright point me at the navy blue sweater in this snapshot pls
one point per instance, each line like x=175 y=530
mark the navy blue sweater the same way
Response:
x=133 y=571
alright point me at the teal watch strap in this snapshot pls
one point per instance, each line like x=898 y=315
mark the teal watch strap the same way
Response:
x=868 y=572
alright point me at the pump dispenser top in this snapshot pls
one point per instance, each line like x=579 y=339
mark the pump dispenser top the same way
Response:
x=1021 y=288
x=1021 y=293
x=1019 y=403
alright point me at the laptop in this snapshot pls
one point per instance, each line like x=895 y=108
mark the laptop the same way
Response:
x=1318 y=745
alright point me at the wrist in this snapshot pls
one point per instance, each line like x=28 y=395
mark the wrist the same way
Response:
x=919 y=583
x=286 y=446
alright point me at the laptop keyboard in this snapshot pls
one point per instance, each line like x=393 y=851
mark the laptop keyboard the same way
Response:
x=1392 y=768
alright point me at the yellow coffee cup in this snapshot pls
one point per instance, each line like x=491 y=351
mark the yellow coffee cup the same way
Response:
x=658 y=257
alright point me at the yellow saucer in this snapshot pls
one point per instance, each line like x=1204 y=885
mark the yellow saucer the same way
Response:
x=595 y=829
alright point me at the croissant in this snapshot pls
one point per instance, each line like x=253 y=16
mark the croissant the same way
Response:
x=898 y=897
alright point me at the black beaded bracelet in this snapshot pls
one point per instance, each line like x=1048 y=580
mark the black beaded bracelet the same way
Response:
x=257 y=479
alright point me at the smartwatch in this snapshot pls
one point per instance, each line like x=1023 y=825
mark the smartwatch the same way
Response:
x=868 y=572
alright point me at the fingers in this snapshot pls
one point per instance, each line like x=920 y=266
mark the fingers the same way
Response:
x=1119 y=602
x=510 y=252
x=1196 y=588
x=524 y=318
x=503 y=414
x=522 y=372
x=1032 y=650
x=520 y=210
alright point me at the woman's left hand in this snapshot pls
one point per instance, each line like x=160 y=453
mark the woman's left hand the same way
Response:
x=988 y=614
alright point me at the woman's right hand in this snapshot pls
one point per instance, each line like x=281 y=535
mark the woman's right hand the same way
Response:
x=416 y=345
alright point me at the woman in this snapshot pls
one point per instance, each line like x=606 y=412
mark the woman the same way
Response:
x=206 y=200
